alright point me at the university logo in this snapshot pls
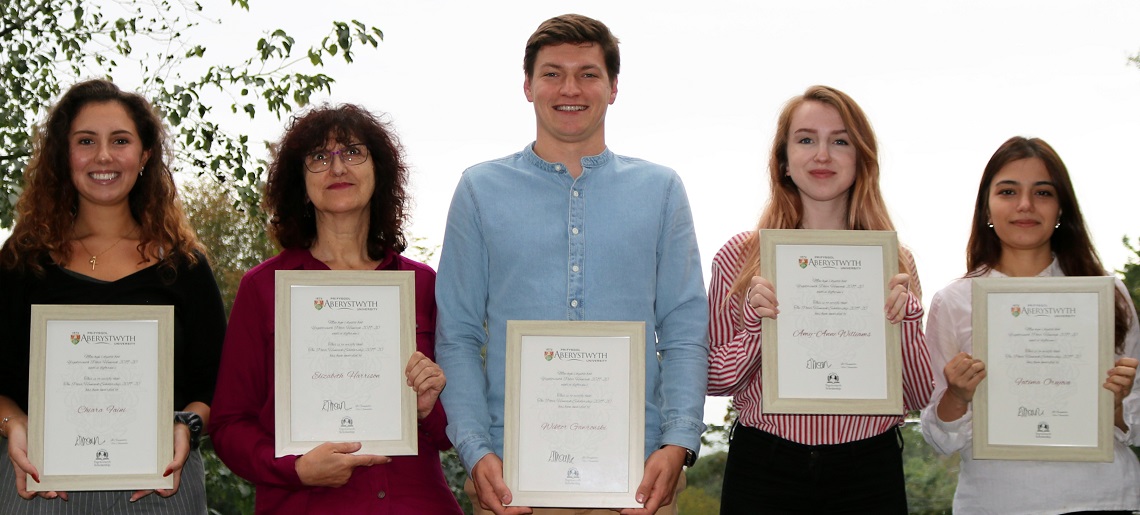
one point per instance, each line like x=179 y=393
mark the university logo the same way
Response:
x=1015 y=310
x=1042 y=427
x=833 y=378
x=319 y=303
x=572 y=473
x=346 y=422
x=101 y=455
x=75 y=338
x=803 y=261
x=549 y=354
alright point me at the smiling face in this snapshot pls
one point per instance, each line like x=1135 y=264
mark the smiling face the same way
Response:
x=343 y=188
x=1023 y=205
x=571 y=90
x=105 y=153
x=821 y=157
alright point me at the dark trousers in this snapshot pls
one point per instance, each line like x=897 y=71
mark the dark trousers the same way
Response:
x=767 y=474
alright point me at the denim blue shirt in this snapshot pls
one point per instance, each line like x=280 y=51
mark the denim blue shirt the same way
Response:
x=526 y=241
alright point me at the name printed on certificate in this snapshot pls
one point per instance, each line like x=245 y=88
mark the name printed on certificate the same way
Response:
x=831 y=331
x=1044 y=377
x=345 y=365
x=574 y=414
x=100 y=397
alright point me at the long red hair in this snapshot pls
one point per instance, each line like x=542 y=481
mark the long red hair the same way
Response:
x=866 y=209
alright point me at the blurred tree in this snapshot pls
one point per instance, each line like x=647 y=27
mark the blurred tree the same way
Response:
x=1130 y=274
x=706 y=477
x=456 y=475
x=235 y=237
x=226 y=493
x=47 y=45
x=694 y=501
x=930 y=478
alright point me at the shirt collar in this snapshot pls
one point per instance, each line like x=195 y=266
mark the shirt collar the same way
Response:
x=587 y=162
x=1053 y=270
x=302 y=259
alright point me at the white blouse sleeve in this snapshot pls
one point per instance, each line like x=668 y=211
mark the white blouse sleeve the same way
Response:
x=1131 y=403
x=948 y=332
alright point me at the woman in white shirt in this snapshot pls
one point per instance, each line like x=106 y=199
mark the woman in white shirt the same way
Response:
x=1027 y=224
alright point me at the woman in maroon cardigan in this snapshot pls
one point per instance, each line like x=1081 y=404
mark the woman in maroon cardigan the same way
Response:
x=336 y=192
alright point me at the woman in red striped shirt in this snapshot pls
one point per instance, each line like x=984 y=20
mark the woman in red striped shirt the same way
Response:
x=824 y=175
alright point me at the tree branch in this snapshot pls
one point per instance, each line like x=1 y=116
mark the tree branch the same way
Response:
x=17 y=155
x=20 y=22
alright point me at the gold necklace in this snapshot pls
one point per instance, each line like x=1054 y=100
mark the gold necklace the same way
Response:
x=95 y=257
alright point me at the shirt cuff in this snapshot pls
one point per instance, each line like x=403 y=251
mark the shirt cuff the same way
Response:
x=684 y=432
x=287 y=470
x=752 y=321
x=472 y=449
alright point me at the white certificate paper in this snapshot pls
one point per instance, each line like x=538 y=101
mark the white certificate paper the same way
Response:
x=100 y=397
x=831 y=350
x=576 y=423
x=1042 y=351
x=569 y=408
x=100 y=411
x=346 y=353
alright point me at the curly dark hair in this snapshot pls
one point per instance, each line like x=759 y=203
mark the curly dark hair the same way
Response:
x=293 y=223
x=45 y=213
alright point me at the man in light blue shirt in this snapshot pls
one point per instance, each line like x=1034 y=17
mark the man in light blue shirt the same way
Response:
x=568 y=230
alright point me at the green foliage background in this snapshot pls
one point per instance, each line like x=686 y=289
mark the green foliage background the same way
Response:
x=46 y=46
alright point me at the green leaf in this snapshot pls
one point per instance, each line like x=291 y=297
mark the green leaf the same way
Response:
x=41 y=56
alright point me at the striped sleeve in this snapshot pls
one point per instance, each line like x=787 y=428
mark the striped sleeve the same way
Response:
x=734 y=329
x=918 y=381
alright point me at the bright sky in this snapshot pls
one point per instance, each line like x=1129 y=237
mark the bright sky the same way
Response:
x=701 y=84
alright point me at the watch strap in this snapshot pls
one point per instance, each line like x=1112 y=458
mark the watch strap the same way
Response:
x=193 y=421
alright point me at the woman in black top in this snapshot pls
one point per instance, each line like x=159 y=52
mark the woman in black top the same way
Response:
x=99 y=223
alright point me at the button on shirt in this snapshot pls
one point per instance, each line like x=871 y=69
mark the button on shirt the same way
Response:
x=1023 y=487
x=526 y=241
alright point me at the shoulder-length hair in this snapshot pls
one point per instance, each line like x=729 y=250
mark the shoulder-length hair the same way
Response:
x=1070 y=242
x=45 y=212
x=866 y=209
x=293 y=221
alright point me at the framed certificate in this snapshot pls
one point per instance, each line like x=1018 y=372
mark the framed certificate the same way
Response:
x=343 y=339
x=100 y=397
x=831 y=350
x=575 y=413
x=1046 y=343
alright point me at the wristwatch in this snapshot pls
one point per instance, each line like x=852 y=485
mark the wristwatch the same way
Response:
x=690 y=456
x=192 y=421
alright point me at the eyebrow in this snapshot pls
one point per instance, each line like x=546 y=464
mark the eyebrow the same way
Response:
x=813 y=131
x=113 y=133
x=1017 y=183
x=590 y=66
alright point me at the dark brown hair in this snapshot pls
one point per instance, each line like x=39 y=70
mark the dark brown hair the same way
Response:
x=577 y=29
x=293 y=223
x=1070 y=242
x=45 y=213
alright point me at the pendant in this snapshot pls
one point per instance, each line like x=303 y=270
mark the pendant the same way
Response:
x=92 y=261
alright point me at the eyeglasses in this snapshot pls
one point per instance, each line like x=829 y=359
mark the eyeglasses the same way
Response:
x=321 y=160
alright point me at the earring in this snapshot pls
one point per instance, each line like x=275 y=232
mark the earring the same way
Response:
x=990 y=225
x=1058 y=226
x=141 y=170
